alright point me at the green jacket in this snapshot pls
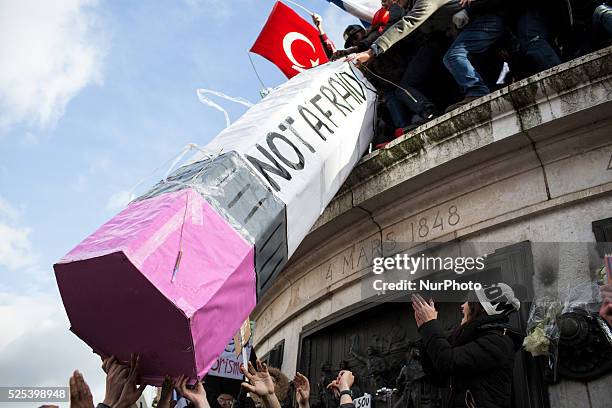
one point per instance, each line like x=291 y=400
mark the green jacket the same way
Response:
x=420 y=12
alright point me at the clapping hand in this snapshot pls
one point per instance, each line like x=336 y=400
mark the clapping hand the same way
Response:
x=80 y=394
x=423 y=311
x=334 y=387
x=343 y=382
x=302 y=390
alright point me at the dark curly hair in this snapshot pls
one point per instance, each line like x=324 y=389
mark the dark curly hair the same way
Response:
x=281 y=383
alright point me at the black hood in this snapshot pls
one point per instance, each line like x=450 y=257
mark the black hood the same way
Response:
x=503 y=324
x=498 y=323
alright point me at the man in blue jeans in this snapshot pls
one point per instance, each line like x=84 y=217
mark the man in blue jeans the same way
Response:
x=485 y=28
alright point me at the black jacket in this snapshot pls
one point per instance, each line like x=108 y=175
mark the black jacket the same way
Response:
x=479 y=7
x=477 y=361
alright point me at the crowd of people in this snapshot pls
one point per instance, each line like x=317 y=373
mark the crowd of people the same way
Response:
x=427 y=57
x=475 y=364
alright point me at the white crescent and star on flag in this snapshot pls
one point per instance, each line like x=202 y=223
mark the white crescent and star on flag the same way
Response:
x=288 y=41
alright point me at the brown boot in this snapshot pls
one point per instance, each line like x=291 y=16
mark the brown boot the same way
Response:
x=459 y=104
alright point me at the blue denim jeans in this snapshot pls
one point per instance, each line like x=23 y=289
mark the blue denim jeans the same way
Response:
x=399 y=114
x=478 y=36
x=532 y=35
x=602 y=17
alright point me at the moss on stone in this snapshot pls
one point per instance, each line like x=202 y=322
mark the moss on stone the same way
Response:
x=460 y=122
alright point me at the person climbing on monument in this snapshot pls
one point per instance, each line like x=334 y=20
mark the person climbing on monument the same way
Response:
x=358 y=39
x=420 y=12
x=484 y=28
x=477 y=360
x=424 y=27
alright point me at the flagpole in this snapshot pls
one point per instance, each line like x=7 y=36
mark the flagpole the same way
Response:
x=256 y=73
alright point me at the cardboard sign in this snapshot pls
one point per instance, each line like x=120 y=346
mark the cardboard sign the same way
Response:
x=363 y=402
x=228 y=363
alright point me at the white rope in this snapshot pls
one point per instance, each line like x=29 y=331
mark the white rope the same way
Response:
x=151 y=173
x=389 y=82
x=201 y=92
x=177 y=159
x=174 y=161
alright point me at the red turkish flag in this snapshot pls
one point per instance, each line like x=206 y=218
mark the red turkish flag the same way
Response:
x=289 y=41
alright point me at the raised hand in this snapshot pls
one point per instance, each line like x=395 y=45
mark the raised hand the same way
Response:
x=197 y=394
x=302 y=390
x=260 y=380
x=261 y=384
x=130 y=391
x=334 y=387
x=423 y=311
x=80 y=394
x=318 y=22
x=345 y=380
x=116 y=375
x=165 y=399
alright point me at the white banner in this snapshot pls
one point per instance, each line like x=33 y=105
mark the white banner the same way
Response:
x=304 y=139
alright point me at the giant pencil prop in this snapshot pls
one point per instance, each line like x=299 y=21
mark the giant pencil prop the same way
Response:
x=173 y=276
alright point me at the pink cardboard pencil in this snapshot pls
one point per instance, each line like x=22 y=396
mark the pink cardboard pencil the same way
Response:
x=173 y=276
